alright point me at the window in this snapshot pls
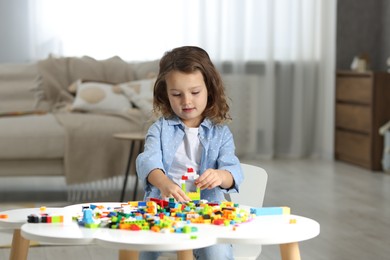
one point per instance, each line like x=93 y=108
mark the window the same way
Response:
x=144 y=30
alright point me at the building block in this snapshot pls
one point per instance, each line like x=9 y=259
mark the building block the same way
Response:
x=188 y=186
x=33 y=218
x=270 y=211
x=45 y=218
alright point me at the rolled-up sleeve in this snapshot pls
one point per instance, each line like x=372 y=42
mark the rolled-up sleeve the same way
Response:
x=228 y=161
x=151 y=157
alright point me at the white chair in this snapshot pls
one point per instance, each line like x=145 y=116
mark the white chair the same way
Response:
x=252 y=191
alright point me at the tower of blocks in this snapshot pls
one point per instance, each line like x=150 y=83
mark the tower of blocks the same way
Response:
x=187 y=184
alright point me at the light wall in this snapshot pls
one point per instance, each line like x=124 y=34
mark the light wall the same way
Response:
x=14 y=31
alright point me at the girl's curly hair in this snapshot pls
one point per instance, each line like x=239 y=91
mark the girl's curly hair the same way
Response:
x=188 y=59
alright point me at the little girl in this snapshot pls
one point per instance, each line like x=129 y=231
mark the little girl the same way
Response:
x=190 y=98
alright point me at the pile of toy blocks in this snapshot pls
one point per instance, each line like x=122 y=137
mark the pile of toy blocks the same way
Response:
x=163 y=216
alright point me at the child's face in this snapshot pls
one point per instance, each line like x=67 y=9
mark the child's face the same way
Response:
x=187 y=95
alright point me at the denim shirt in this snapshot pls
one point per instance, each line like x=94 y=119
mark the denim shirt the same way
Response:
x=162 y=141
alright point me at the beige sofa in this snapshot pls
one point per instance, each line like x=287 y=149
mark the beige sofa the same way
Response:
x=47 y=130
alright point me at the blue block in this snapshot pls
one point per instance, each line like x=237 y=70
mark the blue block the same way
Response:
x=141 y=203
x=270 y=211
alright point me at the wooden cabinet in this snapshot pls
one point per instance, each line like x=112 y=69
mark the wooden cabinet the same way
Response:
x=362 y=107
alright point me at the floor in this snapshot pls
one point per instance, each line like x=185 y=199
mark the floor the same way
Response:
x=351 y=204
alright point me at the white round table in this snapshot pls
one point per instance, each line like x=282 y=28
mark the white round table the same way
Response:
x=15 y=219
x=285 y=230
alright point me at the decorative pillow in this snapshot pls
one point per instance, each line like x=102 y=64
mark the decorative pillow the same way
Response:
x=99 y=97
x=140 y=93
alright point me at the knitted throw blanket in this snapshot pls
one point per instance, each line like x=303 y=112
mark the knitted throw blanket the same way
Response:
x=91 y=153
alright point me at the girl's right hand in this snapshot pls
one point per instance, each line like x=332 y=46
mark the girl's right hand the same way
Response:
x=171 y=190
x=167 y=187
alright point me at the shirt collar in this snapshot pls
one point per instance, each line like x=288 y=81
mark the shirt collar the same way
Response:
x=176 y=121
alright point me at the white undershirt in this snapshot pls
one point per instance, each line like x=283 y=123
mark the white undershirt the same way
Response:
x=188 y=155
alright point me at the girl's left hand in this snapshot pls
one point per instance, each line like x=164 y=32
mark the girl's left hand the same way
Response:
x=209 y=179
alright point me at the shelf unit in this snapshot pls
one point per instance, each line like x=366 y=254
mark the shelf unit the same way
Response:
x=362 y=107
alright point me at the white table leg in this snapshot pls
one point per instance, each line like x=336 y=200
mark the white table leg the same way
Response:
x=184 y=255
x=20 y=246
x=290 y=251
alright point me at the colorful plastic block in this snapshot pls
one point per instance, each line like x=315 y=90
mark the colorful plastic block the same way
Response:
x=188 y=186
x=270 y=211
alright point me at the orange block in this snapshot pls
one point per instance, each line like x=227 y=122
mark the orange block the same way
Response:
x=155 y=229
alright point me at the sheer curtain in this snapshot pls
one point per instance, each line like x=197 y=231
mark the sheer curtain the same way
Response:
x=277 y=57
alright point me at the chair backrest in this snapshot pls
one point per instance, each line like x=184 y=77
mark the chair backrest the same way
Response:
x=251 y=193
x=252 y=189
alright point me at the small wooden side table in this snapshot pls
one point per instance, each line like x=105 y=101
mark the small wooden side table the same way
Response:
x=134 y=138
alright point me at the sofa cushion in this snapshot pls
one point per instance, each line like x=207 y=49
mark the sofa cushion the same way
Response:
x=32 y=167
x=113 y=70
x=145 y=69
x=31 y=137
x=140 y=93
x=56 y=74
x=99 y=97
x=16 y=84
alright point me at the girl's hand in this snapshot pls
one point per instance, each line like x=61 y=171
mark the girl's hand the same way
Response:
x=167 y=187
x=171 y=190
x=212 y=178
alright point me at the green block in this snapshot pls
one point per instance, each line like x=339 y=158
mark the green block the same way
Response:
x=187 y=229
x=55 y=219
x=91 y=225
